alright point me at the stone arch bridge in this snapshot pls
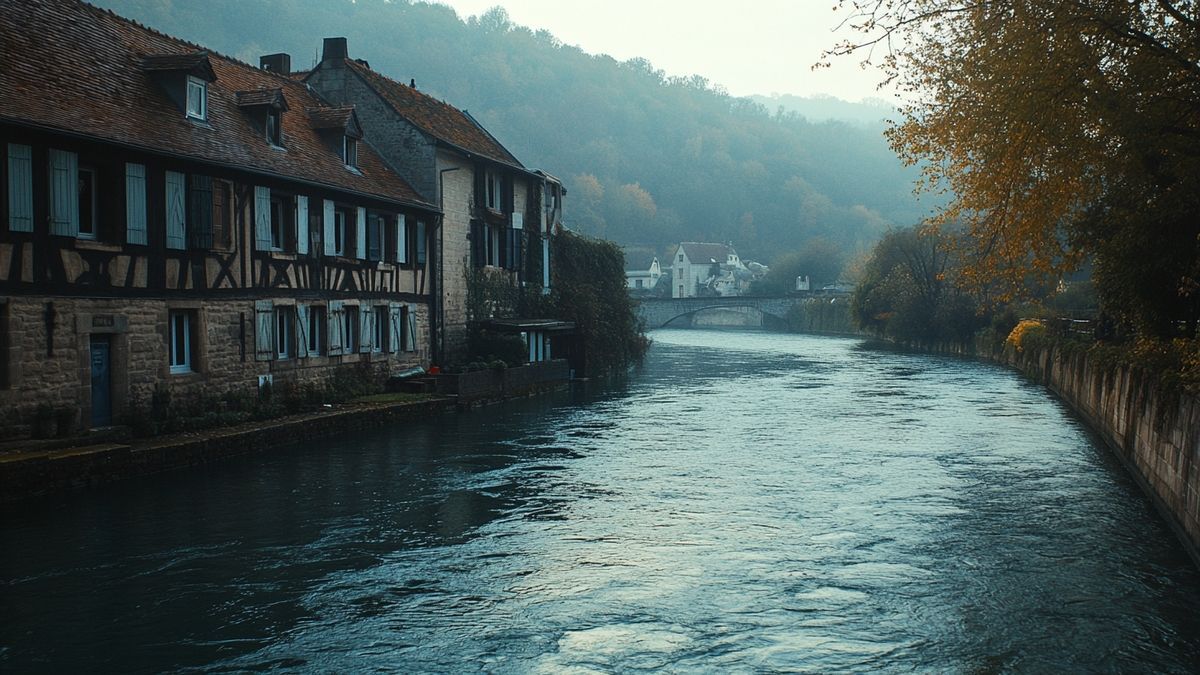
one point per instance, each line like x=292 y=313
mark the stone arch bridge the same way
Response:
x=658 y=312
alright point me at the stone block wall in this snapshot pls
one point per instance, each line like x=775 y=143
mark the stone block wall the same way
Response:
x=458 y=196
x=47 y=344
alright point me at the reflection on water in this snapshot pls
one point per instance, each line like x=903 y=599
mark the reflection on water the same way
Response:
x=747 y=501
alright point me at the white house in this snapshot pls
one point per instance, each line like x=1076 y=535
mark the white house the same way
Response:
x=715 y=268
x=645 y=277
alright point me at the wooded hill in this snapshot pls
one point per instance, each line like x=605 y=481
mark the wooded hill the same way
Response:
x=647 y=159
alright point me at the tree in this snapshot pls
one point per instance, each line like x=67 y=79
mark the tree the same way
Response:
x=819 y=259
x=1063 y=130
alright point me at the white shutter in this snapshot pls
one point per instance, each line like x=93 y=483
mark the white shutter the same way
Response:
x=395 y=334
x=546 y=347
x=518 y=221
x=330 y=244
x=302 y=224
x=545 y=261
x=20 y=188
x=401 y=239
x=264 y=330
x=366 y=321
x=135 y=204
x=64 y=193
x=302 y=344
x=336 y=320
x=176 y=224
x=262 y=218
x=360 y=234
x=410 y=338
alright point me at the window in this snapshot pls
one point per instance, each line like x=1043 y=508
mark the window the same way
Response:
x=278 y=218
x=201 y=200
x=638 y=283
x=379 y=341
x=350 y=330
x=341 y=220
x=316 y=331
x=680 y=257
x=421 y=252
x=375 y=225
x=285 y=332
x=350 y=151
x=180 y=322
x=494 y=200
x=275 y=127
x=87 y=202
x=197 y=98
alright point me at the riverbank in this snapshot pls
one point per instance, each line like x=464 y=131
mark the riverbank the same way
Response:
x=35 y=470
x=1154 y=433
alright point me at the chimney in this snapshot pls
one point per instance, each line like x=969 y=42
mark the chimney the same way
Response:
x=276 y=63
x=334 y=48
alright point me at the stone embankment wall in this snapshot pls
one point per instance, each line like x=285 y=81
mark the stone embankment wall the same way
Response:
x=1156 y=435
x=822 y=315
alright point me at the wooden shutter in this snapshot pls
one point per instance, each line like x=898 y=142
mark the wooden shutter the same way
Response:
x=360 y=234
x=176 y=227
x=401 y=238
x=303 y=340
x=478 y=245
x=335 y=320
x=64 y=193
x=200 y=209
x=20 y=188
x=264 y=330
x=480 y=186
x=135 y=204
x=262 y=218
x=410 y=336
x=302 y=224
x=329 y=217
x=506 y=194
x=366 y=322
x=222 y=232
x=420 y=242
x=395 y=335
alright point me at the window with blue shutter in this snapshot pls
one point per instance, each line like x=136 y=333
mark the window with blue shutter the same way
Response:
x=135 y=204
x=360 y=234
x=262 y=218
x=302 y=225
x=176 y=215
x=20 y=188
x=420 y=242
x=401 y=239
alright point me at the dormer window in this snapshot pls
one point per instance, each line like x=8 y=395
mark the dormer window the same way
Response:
x=274 y=126
x=350 y=151
x=197 y=98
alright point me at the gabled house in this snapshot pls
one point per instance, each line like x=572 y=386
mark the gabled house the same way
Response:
x=496 y=213
x=700 y=268
x=644 y=277
x=176 y=221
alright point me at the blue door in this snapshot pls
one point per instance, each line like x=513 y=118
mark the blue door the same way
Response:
x=101 y=382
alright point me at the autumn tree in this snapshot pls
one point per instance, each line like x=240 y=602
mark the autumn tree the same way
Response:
x=1063 y=130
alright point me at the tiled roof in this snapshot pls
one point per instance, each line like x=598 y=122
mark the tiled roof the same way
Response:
x=193 y=63
x=700 y=252
x=436 y=118
x=332 y=118
x=72 y=67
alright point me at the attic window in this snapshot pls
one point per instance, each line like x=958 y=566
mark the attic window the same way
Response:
x=350 y=151
x=274 y=127
x=197 y=98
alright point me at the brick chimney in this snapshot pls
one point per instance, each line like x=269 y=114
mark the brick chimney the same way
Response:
x=276 y=63
x=334 y=48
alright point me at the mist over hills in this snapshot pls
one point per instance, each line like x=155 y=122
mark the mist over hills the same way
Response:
x=648 y=159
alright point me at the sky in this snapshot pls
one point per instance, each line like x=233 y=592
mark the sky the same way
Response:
x=748 y=47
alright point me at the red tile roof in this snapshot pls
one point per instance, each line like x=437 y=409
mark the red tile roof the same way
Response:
x=436 y=118
x=72 y=67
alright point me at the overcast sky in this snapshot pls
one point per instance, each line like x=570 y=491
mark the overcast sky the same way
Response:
x=750 y=47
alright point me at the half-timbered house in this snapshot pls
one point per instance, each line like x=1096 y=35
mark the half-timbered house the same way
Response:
x=174 y=220
x=497 y=214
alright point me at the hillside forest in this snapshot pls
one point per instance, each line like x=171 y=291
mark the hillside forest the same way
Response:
x=648 y=159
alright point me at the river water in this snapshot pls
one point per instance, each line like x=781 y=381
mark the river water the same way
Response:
x=745 y=502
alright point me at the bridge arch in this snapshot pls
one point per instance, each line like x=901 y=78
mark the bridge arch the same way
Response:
x=658 y=312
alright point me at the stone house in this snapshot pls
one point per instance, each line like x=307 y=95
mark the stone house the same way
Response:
x=497 y=214
x=175 y=220
x=699 y=268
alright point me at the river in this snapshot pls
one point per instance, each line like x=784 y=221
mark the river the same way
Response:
x=747 y=501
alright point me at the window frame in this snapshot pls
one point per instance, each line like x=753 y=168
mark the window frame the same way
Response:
x=195 y=84
x=274 y=127
x=317 y=322
x=178 y=365
x=93 y=204
x=285 y=332
x=350 y=151
x=493 y=191
x=351 y=340
x=379 y=341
